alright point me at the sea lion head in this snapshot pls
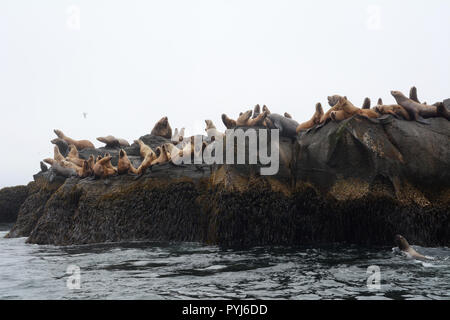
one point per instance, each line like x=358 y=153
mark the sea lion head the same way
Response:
x=59 y=133
x=333 y=100
x=401 y=242
x=398 y=95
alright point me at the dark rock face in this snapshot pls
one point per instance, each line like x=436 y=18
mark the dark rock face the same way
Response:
x=10 y=201
x=358 y=181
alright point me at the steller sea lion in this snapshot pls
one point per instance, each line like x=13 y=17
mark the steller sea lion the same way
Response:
x=313 y=121
x=73 y=152
x=332 y=101
x=62 y=145
x=102 y=169
x=418 y=111
x=380 y=102
x=43 y=167
x=124 y=165
x=62 y=171
x=163 y=156
x=287 y=127
x=413 y=94
x=366 y=103
x=403 y=245
x=244 y=120
x=349 y=110
x=393 y=109
x=56 y=154
x=80 y=144
x=162 y=128
x=144 y=149
x=113 y=142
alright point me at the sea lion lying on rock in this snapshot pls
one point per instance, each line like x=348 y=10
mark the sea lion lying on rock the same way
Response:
x=102 y=168
x=393 y=109
x=144 y=149
x=418 y=111
x=80 y=144
x=212 y=131
x=124 y=165
x=347 y=110
x=113 y=142
x=403 y=245
x=244 y=120
x=287 y=127
x=62 y=145
x=162 y=128
x=315 y=120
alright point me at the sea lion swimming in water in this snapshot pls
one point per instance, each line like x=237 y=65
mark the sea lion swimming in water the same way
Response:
x=403 y=245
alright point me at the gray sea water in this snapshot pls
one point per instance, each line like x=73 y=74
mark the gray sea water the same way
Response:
x=154 y=270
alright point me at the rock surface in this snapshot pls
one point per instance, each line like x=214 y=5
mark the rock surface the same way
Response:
x=11 y=199
x=358 y=181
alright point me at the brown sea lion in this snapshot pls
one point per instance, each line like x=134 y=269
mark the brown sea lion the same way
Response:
x=144 y=149
x=108 y=164
x=163 y=156
x=351 y=110
x=91 y=162
x=244 y=120
x=80 y=144
x=57 y=155
x=256 y=111
x=315 y=120
x=102 y=169
x=162 y=128
x=403 y=245
x=366 y=103
x=113 y=142
x=124 y=165
x=418 y=111
x=265 y=109
x=228 y=122
x=332 y=101
x=413 y=94
x=62 y=145
x=73 y=152
x=393 y=109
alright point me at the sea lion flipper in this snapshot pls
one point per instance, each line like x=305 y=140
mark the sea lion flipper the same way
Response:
x=413 y=94
x=366 y=103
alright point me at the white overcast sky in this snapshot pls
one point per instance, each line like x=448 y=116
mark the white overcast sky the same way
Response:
x=131 y=62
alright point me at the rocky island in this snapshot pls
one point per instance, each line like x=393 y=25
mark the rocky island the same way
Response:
x=357 y=181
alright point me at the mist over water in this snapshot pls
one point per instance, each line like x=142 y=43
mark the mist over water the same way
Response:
x=154 y=270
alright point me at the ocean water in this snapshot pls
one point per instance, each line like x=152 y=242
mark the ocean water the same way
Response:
x=155 y=270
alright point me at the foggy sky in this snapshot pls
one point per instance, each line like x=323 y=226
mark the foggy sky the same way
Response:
x=128 y=63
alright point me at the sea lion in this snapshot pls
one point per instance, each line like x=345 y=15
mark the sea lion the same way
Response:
x=102 y=169
x=80 y=144
x=44 y=168
x=393 y=109
x=244 y=120
x=313 y=121
x=287 y=115
x=108 y=164
x=418 y=111
x=287 y=127
x=64 y=164
x=413 y=94
x=256 y=111
x=265 y=109
x=177 y=137
x=403 y=245
x=56 y=154
x=332 y=101
x=380 y=102
x=62 y=171
x=350 y=110
x=113 y=142
x=124 y=165
x=62 y=145
x=163 y=157
x=146 y=163
x=144 y=149
x=73 y=152
x=212 y=131
x=366 y=103
x=162 y=128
